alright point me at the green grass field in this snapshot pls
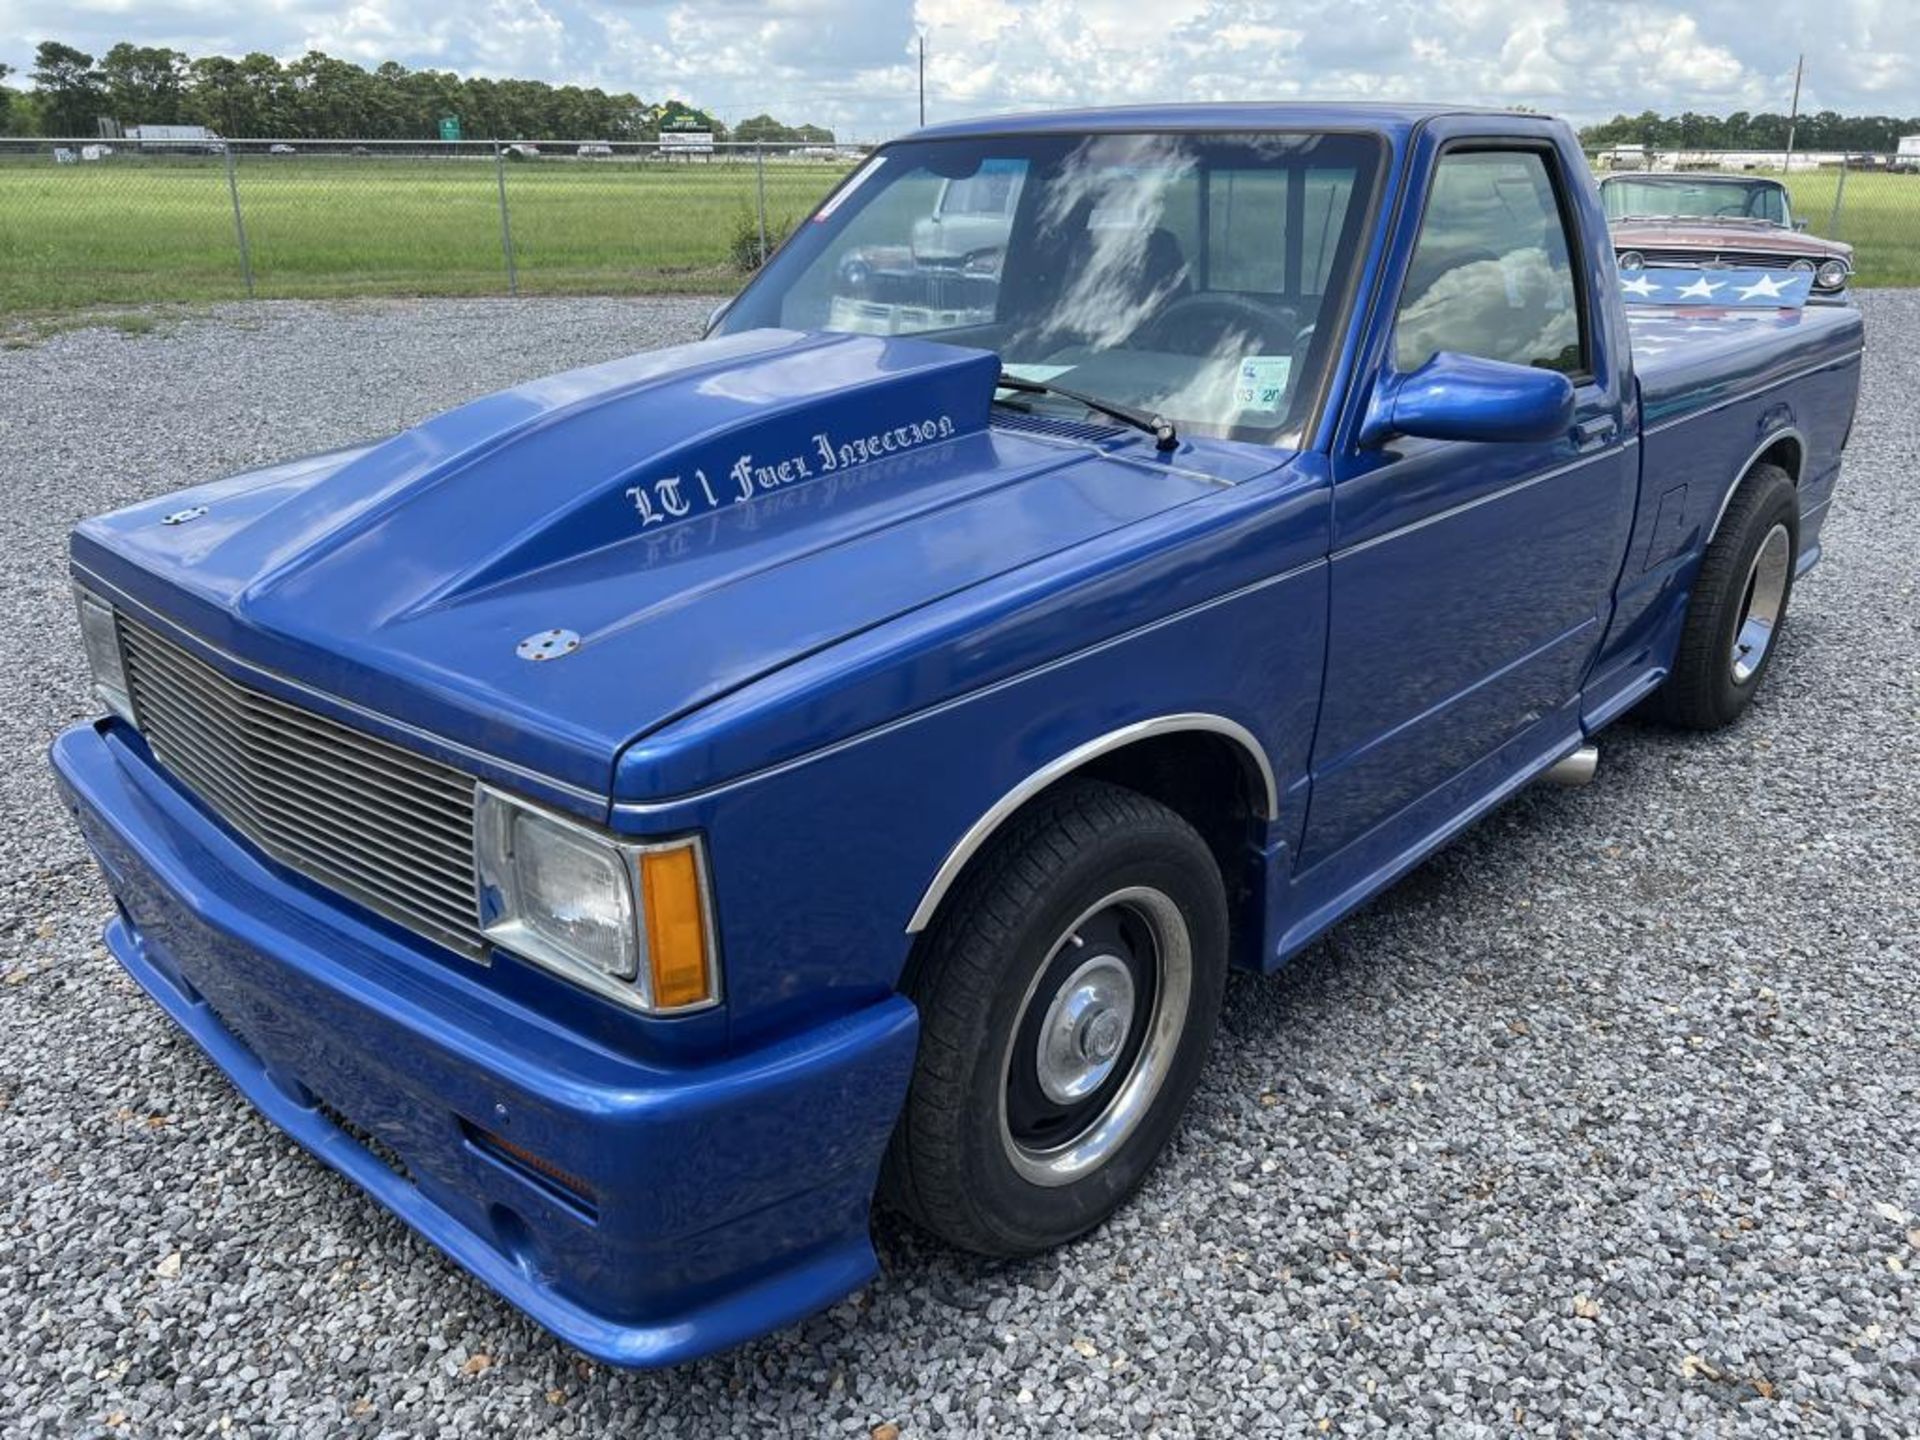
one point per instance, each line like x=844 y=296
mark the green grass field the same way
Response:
x=1879 y=216
x=135 y=229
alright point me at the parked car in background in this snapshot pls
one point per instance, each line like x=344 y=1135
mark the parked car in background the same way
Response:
x=968 y=224
x=281 y=150
x=1693 y=221
x=948 y=271
x=594 y=149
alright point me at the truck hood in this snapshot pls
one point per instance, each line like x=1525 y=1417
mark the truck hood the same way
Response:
x=546 y=574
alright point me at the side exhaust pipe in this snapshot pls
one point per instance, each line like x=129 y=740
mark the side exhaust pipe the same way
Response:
x=1575 y=769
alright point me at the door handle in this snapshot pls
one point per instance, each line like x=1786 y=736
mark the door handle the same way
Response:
x=1592 y=434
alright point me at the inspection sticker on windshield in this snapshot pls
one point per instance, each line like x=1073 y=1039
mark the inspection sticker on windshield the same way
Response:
x=1263 y=382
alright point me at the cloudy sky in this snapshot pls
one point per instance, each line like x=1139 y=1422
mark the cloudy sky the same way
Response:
x=849 y=63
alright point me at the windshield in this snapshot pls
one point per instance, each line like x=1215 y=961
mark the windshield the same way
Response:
x=1191 y=276
x=1695 y=198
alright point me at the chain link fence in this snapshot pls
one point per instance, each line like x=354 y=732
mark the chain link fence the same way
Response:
x=87 y=222
x=1872 y=203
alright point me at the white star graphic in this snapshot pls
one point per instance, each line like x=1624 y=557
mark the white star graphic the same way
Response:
x=1640 y=286
x=1701 y=289
x=1765 y=288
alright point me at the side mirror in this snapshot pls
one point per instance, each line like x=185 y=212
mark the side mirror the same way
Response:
x=1462 y=397
x=1801 y=224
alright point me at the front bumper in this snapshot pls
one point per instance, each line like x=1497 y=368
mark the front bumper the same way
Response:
x=694 y=1208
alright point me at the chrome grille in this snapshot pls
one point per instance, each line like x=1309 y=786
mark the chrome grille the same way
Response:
x=377 y=823
x=1699 y=259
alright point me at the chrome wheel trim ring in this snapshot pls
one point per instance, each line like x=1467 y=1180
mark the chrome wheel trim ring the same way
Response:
x=1096 y=1142
x=1765 y=599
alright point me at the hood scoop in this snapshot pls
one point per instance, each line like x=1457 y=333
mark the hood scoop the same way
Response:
x=561 y=467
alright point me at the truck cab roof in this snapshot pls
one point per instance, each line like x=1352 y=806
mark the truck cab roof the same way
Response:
x=1386 y=117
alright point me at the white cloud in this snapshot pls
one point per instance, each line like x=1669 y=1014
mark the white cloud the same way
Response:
x=849 y=63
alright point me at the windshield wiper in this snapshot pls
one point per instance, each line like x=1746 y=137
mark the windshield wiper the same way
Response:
x=1164 y=437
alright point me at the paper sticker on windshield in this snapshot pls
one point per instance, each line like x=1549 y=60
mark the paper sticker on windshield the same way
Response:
x=1037 y=373
x=1263 y=382
x=840 y=196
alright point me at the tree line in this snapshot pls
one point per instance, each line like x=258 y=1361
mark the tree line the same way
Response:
x=318 y=97
x=1818 y=130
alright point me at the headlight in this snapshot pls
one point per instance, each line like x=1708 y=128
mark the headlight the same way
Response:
x=100 y=633
x=1801 y=267
x=1632 y=260
x=631 y=922
x=1831 y=275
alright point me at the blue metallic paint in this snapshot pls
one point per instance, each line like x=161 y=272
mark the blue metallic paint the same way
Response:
x=402 y=577
x=1462 y=397
x=836 y=680
x=721 y=1209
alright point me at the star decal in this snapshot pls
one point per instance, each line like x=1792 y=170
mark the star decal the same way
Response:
x=1702 y=289
x=1640 y=286
x=1766 y=287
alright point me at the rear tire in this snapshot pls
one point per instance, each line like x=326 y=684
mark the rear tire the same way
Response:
x=1068 y=993
x=1738 y=607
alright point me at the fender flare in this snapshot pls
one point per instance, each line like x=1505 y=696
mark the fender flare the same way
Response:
x=1772 y=438
x=983 y=829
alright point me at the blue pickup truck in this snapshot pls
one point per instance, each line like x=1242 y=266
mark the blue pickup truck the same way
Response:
x=632 y=822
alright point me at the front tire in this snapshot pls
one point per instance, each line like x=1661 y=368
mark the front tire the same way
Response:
x=1738 y=607
x=1068 y=993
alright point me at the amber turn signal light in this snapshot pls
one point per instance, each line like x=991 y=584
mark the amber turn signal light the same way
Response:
x=674 y=902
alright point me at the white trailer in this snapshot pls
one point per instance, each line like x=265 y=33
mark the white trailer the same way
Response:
x=188 y=139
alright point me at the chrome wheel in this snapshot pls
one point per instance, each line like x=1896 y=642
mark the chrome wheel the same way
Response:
x=1098 y=1030
x=1766 y=594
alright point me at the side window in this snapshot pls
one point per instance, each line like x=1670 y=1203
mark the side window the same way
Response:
x=1492 y=272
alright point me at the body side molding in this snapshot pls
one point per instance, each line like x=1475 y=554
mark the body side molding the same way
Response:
x=1061 y=766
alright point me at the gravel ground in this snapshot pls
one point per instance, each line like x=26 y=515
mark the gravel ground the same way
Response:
x=1607 y=1122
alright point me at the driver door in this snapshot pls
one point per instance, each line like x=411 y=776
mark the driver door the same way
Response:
x=1471 y=582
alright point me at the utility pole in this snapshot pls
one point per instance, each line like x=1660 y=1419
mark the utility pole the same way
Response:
x=923 y=79
x=1793 y=116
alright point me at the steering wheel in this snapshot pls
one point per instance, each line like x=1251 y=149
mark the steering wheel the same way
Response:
x=1194 y=324
x=1739 y=212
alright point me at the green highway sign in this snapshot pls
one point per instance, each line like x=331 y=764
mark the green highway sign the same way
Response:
x=449 y=127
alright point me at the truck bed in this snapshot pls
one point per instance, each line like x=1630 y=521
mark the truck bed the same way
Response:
x=1718 y=390
x=1692 y=359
